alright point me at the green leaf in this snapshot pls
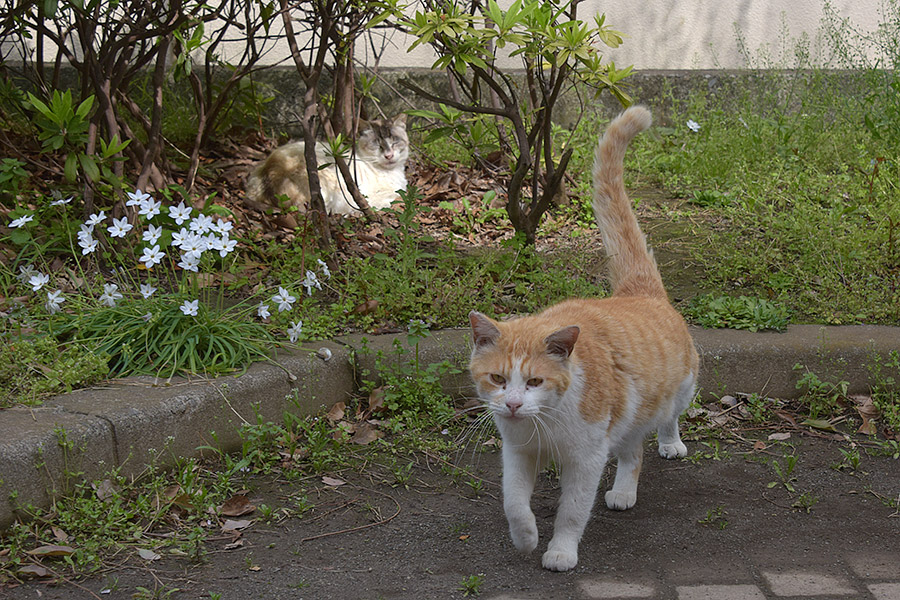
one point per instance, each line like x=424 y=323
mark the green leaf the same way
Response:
x=820 y=424
x=90 y=167
x=71 y=168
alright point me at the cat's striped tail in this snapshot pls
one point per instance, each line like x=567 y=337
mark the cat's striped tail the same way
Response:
x=632 y=268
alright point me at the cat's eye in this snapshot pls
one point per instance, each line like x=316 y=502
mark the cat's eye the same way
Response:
x=498 y=379
x=534 y=382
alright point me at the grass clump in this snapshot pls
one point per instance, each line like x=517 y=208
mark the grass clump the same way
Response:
x=33 y=368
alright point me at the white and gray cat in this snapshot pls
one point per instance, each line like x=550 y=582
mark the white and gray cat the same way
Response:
x=378 y=166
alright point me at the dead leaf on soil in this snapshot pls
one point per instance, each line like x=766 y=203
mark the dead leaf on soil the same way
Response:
x=105 y=490
x=235 y=545
x=336 y=413
x=376 y=400
x=237 y=506
x=51 y=550
x=759 y=446
x=148 y=554
x=236 y=525
x=365 y=434
x=59 y=535
x=868 y=412
x=33 y=571
x=333 y=482
x=779 y=437
x=366 y=307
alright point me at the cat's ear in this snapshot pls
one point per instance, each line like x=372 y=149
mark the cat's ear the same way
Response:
x=561 y=343
x=400 y=119
x=484 y=331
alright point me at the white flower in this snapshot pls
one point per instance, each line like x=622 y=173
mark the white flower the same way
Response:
x=222 y=227
x=95 y=219
x=110 y=294
x=201 y=224
x=61 y=201
x=86 y=232
x=151 y=257
x=325 y=270
x=38 y=281
x=311 y=282
x=180 y=213
x=194 y=245
x=179 y=236
x=16 y=223
x=225 y=246
x=88 y=244
x=150 y=208
x=189 y=262
x=262 y=311
x=152 y=234
x=294 y=331
x=119 y=227
x=54 y=299
x=189 y=308
x=147 y=290
x=26 y=272
x=283 y=299
x=693 y=125
x=136 y=198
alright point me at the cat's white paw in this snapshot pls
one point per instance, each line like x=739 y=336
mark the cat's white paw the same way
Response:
x=620 y=500
x=524 y=537
x=676 y=450
x=559 y=560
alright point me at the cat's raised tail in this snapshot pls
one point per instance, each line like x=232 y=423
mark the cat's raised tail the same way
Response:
x=632 y=268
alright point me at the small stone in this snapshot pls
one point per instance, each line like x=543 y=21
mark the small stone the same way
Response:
x=324 y=354
x=728 y=401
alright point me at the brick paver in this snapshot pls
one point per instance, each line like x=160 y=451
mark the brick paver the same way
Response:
x=720 y=592
x=885 y=591
x=807 y=583
x=597 y=589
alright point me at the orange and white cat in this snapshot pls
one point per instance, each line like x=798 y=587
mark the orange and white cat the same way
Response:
x=588 y=378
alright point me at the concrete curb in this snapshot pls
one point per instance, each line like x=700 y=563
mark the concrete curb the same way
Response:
x=134 y=422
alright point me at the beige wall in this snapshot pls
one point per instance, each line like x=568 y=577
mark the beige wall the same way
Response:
x=693 y=34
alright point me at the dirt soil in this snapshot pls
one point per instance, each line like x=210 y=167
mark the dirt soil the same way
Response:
x=712 y=520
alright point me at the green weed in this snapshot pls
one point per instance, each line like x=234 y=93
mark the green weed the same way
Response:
x=471 y=585
x=715 y=517
x=741 y=312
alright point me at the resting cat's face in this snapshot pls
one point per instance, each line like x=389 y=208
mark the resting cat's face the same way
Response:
x=384 y=142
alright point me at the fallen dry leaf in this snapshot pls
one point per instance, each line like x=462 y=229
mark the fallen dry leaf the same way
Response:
x=759 y=446
x=365 y=434
x=332 y=482
x=234 y=545
x=779 y=437
x=868 y=412
x=236 y=506
x=235 y=525
x=33 y=571
x=105 y=490
x=336 y=413
x=376 y=400
x=51 y=550
x=148 y=554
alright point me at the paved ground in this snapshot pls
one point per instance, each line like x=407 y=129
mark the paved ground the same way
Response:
x=708 y=528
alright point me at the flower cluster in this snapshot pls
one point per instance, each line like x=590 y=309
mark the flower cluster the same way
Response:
x=187 y=235
x=284 y=300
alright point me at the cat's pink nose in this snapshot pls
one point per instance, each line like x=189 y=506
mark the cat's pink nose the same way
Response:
x=389 y=155
x=513 y=406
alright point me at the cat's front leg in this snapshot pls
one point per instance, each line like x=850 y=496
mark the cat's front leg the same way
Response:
x=519 y=473
x=579 y=483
